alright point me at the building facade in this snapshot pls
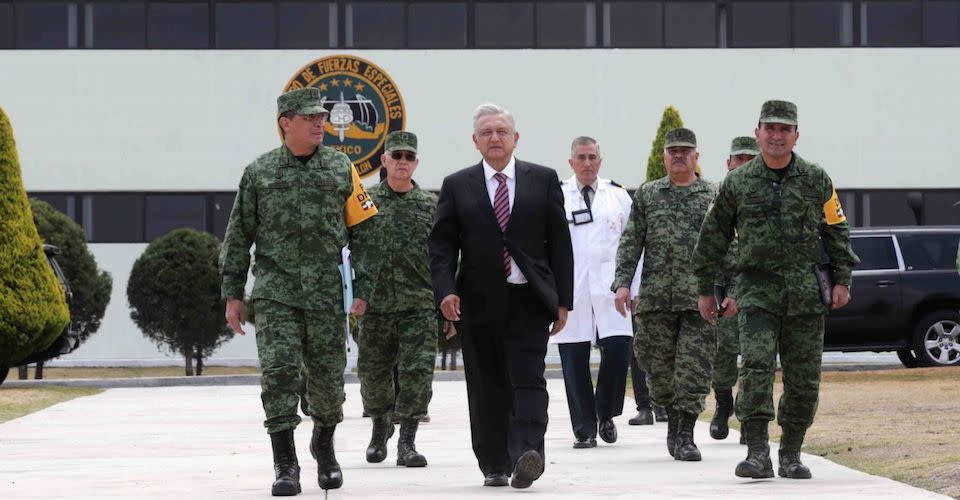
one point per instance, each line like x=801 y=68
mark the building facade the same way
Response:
x=137 y=117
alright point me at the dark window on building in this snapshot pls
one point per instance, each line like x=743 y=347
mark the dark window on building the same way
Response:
x=826 y=23
x=941 y=208
x=178 y=25
x=891 y=23
x=941 y=22
x=566 y=24
x=64 y=203
x=222 y=204
x=437 y=25
x=115 y=25
x=887 y=208
x=113 y=218
x=247 y=25
x=6 y=26
x=690 y=24
x=848 y=201
x=166 y=212
x=760 y=24
x=929 y=251
x=875 y=252
x=502 y=25
x=46 y=25
x=375 y=25
x=632 y=24
x=306 y=25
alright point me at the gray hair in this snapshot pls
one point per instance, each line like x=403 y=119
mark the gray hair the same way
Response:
x=491 y=109
x=584 y=141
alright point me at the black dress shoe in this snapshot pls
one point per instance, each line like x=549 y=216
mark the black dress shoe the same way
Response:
x=660 y=413
x=585 y=443
x=608 y=431
x=495 y=479
x=529 y=468
x=644 y=417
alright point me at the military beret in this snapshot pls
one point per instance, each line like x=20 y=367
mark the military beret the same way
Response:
x=400 y=140
x=680 y=137
x=744 y=146
x=779 y=112
x=305 y=101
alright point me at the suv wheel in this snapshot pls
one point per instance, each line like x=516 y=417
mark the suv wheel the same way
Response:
x=937 y=339
x=908 y=358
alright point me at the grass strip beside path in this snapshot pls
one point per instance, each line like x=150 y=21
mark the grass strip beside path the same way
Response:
x=17 y=402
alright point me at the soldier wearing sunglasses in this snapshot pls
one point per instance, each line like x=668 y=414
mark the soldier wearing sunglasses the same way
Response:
x=395 y=299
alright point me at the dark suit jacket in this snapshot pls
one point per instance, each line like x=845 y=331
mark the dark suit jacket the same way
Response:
x=537 y=237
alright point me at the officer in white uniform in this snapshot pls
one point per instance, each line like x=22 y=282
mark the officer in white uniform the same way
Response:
x=597 y=212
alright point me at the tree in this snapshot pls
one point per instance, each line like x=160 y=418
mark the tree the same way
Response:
x=33 y=307
x=174 y=295
x=90 y=287
x=670 y=120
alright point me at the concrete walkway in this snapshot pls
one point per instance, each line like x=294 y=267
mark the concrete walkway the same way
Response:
x=208 y=442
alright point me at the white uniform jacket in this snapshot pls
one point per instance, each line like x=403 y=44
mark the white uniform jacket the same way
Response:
x=594 y=263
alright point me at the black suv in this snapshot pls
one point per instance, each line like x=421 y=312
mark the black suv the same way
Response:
x=905 y=296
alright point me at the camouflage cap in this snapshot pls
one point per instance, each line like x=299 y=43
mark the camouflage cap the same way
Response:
x=680 y=137
x=744 y=146
x=305 y=101
x=779 y=112
x=400 y=140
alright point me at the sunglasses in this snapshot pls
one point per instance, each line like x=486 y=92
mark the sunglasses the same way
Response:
x=403 y=155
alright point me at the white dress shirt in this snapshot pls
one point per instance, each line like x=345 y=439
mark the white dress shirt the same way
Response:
x=516 y=277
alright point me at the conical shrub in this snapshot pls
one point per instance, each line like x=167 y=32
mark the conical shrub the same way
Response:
x=33 y=308
x=670 y=120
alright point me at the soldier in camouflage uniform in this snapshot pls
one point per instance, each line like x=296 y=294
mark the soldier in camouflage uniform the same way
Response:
x=395 y=298
x=672 y=341
x=297 y=205
x=742 y=150
x=780 y=208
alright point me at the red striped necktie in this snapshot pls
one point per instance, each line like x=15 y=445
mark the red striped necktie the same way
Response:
x=501 y=207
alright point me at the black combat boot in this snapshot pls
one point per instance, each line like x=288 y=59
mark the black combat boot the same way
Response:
x=673 y=420
x=285 y=464
x=382 y=430
x=686 y=450
x=757 y=464
x=329 y=475
x=790 y=443
x=406 y=450
x=644 y=417
x=720 y=426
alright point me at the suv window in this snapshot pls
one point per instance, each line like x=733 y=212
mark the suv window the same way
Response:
x=929 y=251
x=875 y=252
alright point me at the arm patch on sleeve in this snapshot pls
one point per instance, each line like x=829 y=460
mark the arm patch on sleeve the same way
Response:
x=359 y=206
x=832 y=211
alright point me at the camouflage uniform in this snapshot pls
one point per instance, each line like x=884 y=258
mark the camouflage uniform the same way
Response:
x=728 y=333
x=400 y=325
x=779 y=226
x=674 y=343
x=298 y=216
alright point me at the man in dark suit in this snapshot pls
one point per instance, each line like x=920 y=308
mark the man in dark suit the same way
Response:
x=504 y=220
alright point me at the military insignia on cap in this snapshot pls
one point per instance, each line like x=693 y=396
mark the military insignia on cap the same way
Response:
x=680 y=137
x=364 y=105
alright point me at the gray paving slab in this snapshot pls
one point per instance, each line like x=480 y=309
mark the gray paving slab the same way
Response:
x=208 y=442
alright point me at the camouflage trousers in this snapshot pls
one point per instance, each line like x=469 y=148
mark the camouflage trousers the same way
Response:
x=728 y=347
x=799 y=340
x=677 y=350
x=407 y=340
x=289 y=338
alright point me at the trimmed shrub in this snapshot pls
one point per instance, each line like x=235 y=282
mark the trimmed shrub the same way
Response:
x=669 y=121
x=174 y=295
x=91 y=287
x=33 y=307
